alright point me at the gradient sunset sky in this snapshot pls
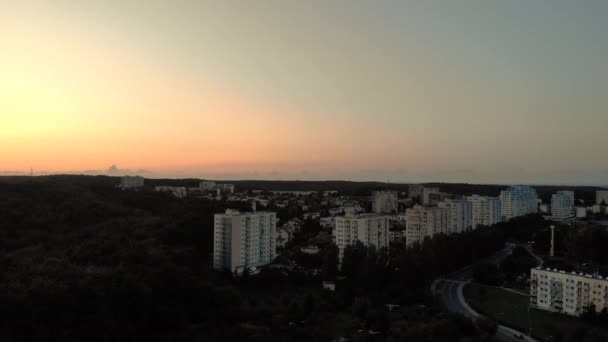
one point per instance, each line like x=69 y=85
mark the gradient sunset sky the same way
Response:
x=459 y=91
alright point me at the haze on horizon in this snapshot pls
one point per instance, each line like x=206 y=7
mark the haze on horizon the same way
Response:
x=406 y=91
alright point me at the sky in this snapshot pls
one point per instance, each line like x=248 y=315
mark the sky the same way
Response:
x=405 y=91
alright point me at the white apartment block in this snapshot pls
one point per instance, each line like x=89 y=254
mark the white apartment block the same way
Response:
x=244 y=240
x=207 y=186
x=569 y=293
x=385 y=201
x=225 y=187
x=127 y=182
x=485 y=211
x=562 y=205
x=424 y=221
x=601 y=196
x=460 y=214
x=370 y=229
x=517 y=201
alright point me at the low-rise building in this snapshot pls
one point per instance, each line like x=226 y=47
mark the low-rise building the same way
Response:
x=130 y=182
x=581 y=212
x=570 y=293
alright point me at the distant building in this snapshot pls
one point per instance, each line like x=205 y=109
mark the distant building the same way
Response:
x=581 y=212
x=431 y=196
x=485 y=211
x=460 y=215
x=570 y=293
x=414 y=190
x=519 y=200
x=562 y=205
x=244 y=240
x=597 y=209
x=130 y=182
x=177 y=191
x=544 y=208
x=384 y=202
x=424 y=222
x=329 y=285
x=601 y=196
x=224 y=187
x=207 y=186
x=369 y=229
x=396 y=235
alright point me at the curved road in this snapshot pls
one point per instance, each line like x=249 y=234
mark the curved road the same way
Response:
x=451 y=294
x=450 y=291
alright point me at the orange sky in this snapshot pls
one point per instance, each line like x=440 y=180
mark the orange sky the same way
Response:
x=396 y=91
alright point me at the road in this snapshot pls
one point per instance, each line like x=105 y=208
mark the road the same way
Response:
x=451 y=294
x=450 y=291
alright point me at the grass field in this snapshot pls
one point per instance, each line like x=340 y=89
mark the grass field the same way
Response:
x=511 y=309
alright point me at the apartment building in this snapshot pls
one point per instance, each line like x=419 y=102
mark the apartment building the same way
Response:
x=414 y=190
x=570 y=293
x=517 y=201
x=384 y=202
x=424 y=221
x=129 y=182
x=562 y=205
x=244 y=240
x=369 y=229
x=225 y=187
x=485 y=211
x=207 y=186
x=459 y=215
x=601 y=196
x=432 y=196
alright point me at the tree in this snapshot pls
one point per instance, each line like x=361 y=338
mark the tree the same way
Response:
x=329 y=267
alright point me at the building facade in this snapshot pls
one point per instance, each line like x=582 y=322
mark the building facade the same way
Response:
x=431 y=196
x=244 y=240
x=207 y=186
x=225 y=187
x=414 y=190
x=129 y=182
x=369 y=229
x=562 y=205
x=384 y=202
x=422 y=222
x=485 y=211
x=517 y=201
x=570 y=293
x=601 y=196
x=459 y=215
